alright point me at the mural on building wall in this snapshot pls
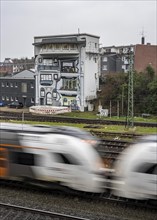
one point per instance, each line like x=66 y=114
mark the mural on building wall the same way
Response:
x=70 y=101
x=63 y=69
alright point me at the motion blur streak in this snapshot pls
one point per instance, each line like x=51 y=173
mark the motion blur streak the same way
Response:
x=51 y=154
x=136 y=170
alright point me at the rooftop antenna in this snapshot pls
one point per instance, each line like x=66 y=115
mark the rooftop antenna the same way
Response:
x=143 y=36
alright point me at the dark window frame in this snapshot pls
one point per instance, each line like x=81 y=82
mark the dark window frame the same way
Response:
x=146 y=168
x=22 y=158
x=67 y=159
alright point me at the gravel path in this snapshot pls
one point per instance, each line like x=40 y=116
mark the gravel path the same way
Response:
x=72 y=205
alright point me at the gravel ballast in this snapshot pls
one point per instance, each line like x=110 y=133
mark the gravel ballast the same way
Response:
x=72 y=205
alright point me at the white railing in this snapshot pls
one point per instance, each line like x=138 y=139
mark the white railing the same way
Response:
x=53 y=51
x=48 y=110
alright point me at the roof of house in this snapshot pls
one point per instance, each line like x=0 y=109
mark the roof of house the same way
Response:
x=25 y=74
x=68 y=35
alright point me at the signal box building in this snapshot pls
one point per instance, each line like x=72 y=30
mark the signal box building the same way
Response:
x=67 y=70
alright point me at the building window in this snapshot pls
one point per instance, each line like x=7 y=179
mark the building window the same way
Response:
x=16 y=85
x=69 y=84
x=73 y=46
x=24 y=87
x=3 y=84
x=123 y=58
x=3 y=98
x=7 y=98
x=11 y=99
x=65 y=47
x=104 y=67
x=95 y=45
x=46 y=79
x=57 y=46
x=42 y=92
x=16 y=99
x=108 y=50
x=68 y=67
x=32 y=85
x=32 y=100
x=55 y=76
x=104 y=59
x=54 y=95
x=49 y=98
x=7 y=84
x=49 y=47
x=11 y=84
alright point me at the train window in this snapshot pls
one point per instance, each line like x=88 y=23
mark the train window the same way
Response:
x=148 y=168
x=155 y=170
x=66 y=159
x=3 y=163
x=22 y=158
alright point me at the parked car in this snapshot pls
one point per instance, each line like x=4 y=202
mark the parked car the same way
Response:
x=2 y=104
x=15 y=105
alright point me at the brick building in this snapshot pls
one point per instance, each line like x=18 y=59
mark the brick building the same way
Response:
x=114 y=59
x=145 y=55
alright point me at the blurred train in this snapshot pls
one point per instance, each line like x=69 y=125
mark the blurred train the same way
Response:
x=135 y=173
x=51 y=154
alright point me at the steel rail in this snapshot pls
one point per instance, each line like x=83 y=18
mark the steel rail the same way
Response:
x=117 y=135
x=106 y=196
x=52 y=118
x=130 y=202
x=26 y=213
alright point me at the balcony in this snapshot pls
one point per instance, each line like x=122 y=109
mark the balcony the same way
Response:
x=69 y=75
x=68 y=92
x=48 y=51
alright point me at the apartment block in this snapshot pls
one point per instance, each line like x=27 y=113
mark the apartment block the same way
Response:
x=115 y=59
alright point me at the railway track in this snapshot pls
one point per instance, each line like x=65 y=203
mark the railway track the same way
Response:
x=115 y=135
x=110 y=149
x=48 y=118
x=130 y=202
x=10 y=212
x=103 y=197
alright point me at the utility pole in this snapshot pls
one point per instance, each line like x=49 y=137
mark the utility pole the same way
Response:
x=130 y=110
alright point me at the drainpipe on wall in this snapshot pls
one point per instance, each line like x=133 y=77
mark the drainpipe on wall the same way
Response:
x=81 y=82
x=36 y=86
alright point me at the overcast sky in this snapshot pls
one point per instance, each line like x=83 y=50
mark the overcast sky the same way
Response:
x=116 y=22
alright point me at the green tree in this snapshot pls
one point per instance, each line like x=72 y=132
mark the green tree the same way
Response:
x=115 y=88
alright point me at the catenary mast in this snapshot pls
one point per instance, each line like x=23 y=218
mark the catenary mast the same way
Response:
x=130 y=110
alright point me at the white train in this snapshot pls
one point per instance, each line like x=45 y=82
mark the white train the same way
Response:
x=136 y=170
x=51 y=154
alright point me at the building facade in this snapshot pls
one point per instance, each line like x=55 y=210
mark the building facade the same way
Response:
x=145 y=55
x=115 y=59
x=13 y=66
x=67 y=70
x=20 y=87
x=6 y=67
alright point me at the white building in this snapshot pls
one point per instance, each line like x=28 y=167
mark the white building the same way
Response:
x=67 y=70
